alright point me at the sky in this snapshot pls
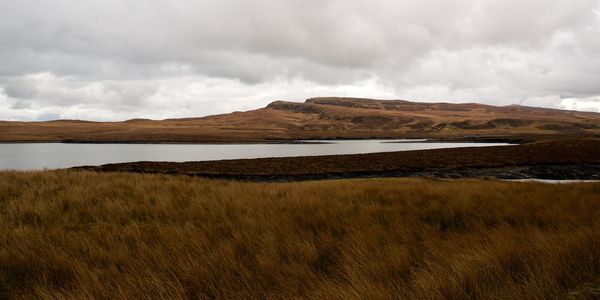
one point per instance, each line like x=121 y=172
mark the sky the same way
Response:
x=111 y=60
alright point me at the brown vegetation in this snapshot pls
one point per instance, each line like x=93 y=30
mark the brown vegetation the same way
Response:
x=575 y=153
x=110 y=235
x=321 y=118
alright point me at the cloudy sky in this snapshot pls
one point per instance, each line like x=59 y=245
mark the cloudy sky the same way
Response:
x=120 y=59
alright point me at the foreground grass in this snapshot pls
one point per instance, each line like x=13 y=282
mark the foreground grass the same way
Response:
x=83 y=234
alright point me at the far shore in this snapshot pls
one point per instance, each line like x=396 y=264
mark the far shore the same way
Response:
x=511 y=139
x=570 y=159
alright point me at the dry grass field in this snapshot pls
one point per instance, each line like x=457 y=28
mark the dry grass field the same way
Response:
x=66 y=234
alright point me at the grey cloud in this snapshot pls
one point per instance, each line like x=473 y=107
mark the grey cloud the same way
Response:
x=20 y=104
x=121 y=57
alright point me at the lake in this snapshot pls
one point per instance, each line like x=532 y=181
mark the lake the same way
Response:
x=36 y=156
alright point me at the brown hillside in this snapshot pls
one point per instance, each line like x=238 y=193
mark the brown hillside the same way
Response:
x=320 y=118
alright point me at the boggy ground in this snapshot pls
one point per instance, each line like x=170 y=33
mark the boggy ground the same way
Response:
x=574 y=158
x=66 y=234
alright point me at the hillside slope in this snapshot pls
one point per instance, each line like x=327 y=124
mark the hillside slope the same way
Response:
x=321 y=118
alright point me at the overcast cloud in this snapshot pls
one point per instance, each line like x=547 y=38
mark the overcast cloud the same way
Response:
x=120 y=59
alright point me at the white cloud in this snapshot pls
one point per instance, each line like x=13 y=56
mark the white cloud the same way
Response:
x=115 y=59
x=47 y=96
x=589 y=104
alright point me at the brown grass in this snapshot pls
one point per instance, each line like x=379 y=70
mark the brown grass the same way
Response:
x=70 y=234
x=322 y=118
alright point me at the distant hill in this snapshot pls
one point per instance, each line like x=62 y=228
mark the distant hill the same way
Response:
x=322 y=118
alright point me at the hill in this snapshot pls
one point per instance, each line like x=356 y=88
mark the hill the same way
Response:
x=321 y=118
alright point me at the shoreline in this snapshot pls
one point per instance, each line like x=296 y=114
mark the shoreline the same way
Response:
x=561 y=160
x=587 y=172
x=508 y=138
x=279 y=142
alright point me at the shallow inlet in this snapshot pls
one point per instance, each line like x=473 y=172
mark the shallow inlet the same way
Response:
x=37 y=156
x=552 y=181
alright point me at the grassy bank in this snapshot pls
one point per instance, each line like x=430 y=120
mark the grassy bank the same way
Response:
x=82 y=234
x=568 y=152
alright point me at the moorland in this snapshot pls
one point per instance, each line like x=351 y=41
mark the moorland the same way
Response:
x=322 y=118
x=67 y=234
x=563 y=158
x=180 y=230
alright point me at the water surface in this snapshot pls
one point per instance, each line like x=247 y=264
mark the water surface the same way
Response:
x=36 y=156
x=553 y=181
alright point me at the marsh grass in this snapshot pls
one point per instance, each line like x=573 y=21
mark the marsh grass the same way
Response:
x=82 y=234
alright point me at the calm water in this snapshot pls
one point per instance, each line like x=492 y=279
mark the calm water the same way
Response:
x=553 y=181
x=31 y=156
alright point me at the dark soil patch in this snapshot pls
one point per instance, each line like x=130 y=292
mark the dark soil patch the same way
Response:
x=563 y=159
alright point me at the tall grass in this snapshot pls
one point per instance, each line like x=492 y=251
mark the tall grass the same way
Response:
x=82 y=234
